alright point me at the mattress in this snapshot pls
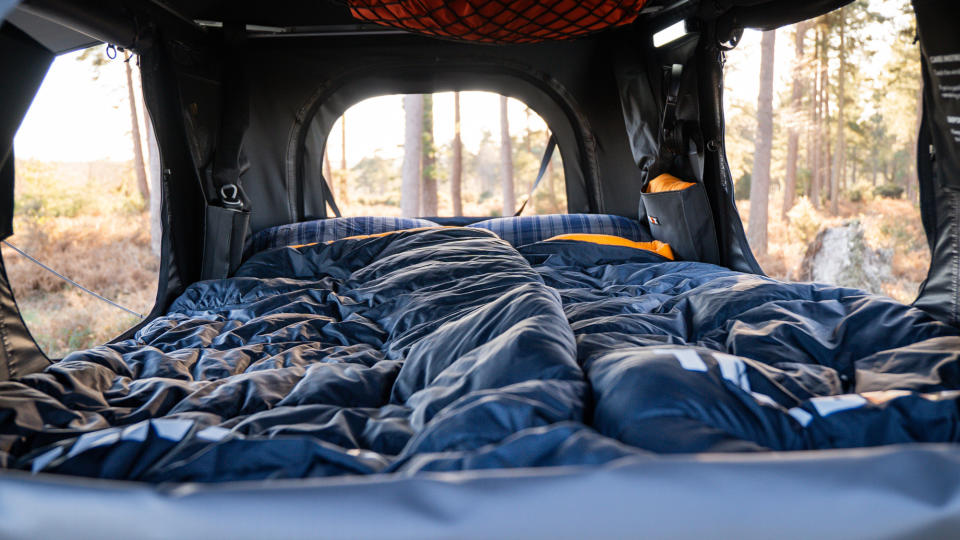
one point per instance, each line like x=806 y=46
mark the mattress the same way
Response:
x=448 y=349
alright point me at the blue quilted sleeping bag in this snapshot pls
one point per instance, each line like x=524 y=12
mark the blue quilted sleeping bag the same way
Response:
x=450 y=349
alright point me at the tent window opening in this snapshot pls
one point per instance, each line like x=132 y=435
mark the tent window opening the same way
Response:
x=83 y=204
x=822 y=122
x=448 y=154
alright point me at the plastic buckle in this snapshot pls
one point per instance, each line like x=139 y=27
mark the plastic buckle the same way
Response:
x=671 y=137
x=230 y=196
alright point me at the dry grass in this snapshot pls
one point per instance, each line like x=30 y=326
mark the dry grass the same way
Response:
x=83 y=221
x=888 y=224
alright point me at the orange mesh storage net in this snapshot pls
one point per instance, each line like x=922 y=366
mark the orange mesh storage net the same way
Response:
x=498 y=21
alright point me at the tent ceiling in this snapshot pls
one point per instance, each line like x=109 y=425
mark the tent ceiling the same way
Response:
x=63 y=25
x=297 y=13
x=56 y=38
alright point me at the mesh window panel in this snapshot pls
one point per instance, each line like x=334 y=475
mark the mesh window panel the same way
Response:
x=498 y=21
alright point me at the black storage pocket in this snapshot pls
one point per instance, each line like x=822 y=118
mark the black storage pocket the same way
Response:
x=225 y=232
x=683 y=219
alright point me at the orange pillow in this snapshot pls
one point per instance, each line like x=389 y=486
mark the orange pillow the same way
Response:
x=666 y=182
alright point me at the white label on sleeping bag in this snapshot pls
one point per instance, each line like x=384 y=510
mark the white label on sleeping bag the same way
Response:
x=137 y=432
x=828 y=405
x=688 y=359
x=733 y=369
x=172 y=429
x=94 y=438
x=801 y=416
x=44 y=459
x=764 y=399
x=213 y=433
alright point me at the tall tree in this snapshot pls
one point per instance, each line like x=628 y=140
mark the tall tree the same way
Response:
x=156 y=179
x=412 y=143
x=140 y=168
x=457 y=173
x=552 y=189
x=793 y=138
x=327 y=167
x=343 y=142
x=428 y=163
x=760 y=181
x=506 y=161
x=816 y=140
x=913 y=179
x=840 y=151
x=343 y=196
x=154 y=175
x=823 y=126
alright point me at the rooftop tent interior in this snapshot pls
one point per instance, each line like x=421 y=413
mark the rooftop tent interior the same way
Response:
x=243 y=93
x=246 y=95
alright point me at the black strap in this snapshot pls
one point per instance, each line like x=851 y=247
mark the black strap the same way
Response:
x=235 y=118
x=544 y=163
x=328 y=197
x=671 y=139
x=671 y=135
x=227 y=217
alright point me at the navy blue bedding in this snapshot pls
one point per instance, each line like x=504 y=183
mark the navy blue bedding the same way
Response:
x=448 y=349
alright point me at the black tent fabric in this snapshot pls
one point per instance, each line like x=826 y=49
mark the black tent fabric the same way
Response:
x=29 y=61
x=939 y=159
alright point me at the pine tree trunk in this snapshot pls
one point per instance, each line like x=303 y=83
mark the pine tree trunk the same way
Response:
x=154 y=178
x=428 y=186
x=457 y=173
x=825 y=140
x=913 y=180
x=552 y=189
x=343 y=197
x=327 y=167
x=138 y=165
x=839 y=163
x=156 y=188
x=817 y=105
x=412 y=142
x=793 y=140
x=506 y=161
x=760 y=181
x=854 y=165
